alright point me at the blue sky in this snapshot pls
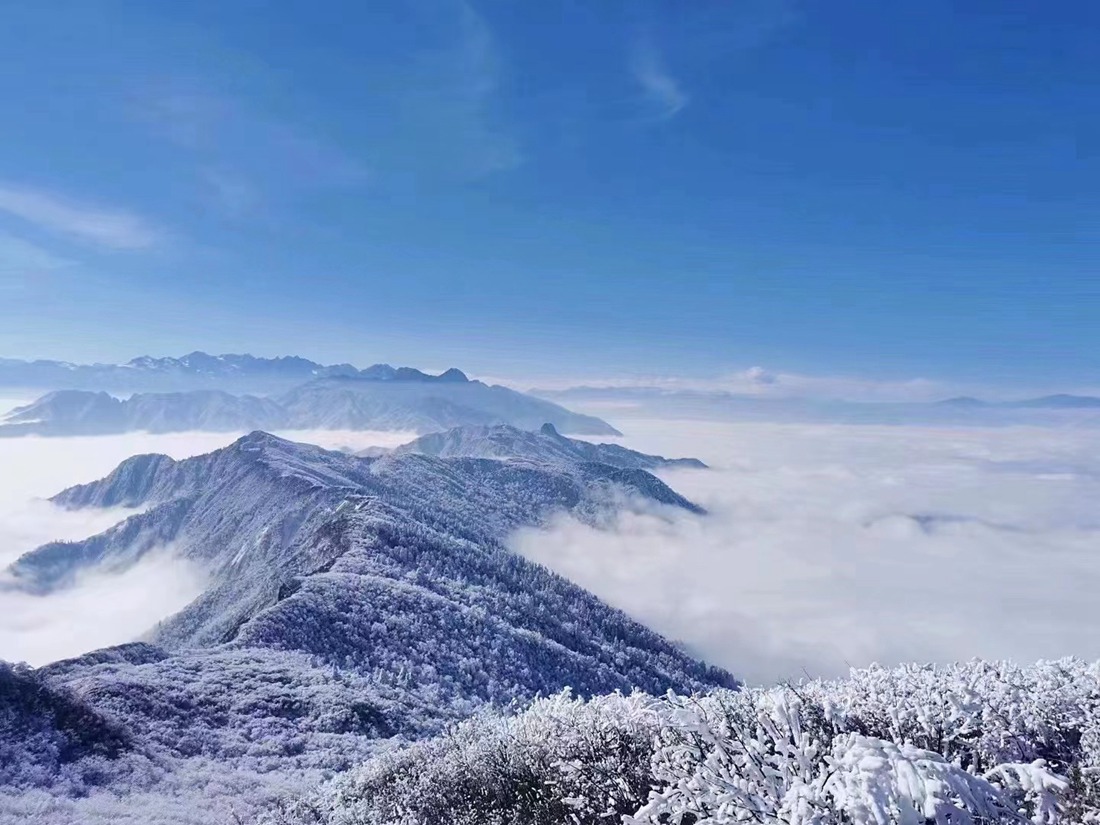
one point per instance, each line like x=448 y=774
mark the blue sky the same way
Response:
x=882 y=190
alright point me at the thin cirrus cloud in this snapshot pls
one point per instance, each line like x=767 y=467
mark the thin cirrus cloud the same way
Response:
x=442 y=113
x=469 y=83
x=104 y=226
x=228 y=132
x=436 y=114
x=19 y=257
x=244 y=159
x=233 y=193
x=663 y=91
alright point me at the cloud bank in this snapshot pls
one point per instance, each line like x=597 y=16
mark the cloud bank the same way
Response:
x=826 y=546
x=829 y=546
x=97 y=611
x=100 y=610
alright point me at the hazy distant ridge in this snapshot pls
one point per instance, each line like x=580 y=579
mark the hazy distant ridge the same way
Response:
x=378 y=398
x=545 y=445
x=722 y=405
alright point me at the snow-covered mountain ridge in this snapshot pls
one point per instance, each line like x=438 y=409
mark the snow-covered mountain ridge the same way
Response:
x=350 y=600
x=197 y=369
x=545 y=445
x=417 y=403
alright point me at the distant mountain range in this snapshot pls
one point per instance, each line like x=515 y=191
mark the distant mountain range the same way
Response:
x=719 y=405
x=350 y=600
x=450 y=400
x=546 y=445
x=84 y=412
x=403 y=399
x=1047 y=402
x=233 y=373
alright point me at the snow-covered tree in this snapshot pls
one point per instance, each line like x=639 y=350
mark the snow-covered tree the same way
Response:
x=971 y=744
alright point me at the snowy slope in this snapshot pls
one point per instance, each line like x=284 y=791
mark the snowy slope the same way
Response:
x=426 y=406
x=263 y=513
x=545 y=445
x=390 y=568
x=43 y=728
x=74 y=412
x=79 y=412
x=350 y=600
x=359 y=603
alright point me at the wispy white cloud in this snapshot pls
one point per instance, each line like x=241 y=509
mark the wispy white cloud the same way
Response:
x=478 y=79
x=39 y=629
x=662 y=90
x=101 y=225
x=19 y=257
x=234 y=194
x=443 y=105
x=243 y=157
x=434 y=114
x=701 y=38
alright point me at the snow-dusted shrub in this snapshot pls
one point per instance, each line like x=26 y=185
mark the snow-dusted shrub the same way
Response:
x=970 y=744
x=978 y=714
x=1043 y=793
x=563 y=760
x=770 y=756
x=987 y=717
x=976 y=743
x=982 y=742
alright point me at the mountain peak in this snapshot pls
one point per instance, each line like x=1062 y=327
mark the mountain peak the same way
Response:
x=259 y=438
x=453 y=374
x=381 y=372
x=550 y=430
x=962 y=401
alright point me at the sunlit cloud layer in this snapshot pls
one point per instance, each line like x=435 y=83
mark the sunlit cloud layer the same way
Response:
x=829 y=546
x=824 y=545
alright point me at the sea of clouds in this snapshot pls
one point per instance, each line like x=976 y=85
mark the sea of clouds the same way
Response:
x=100 y=610
x=824 y=546
x=834 y=545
